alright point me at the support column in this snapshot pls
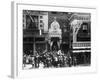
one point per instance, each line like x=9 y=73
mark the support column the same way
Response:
x=74 y=37
x=51 y=45
x=60 y=43
x=76 y=25
x=46 y=46
x=24 y=21
x=34 y=46
x=46 y=43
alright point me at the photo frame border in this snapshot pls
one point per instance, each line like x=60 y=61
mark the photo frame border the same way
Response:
x=16 y=70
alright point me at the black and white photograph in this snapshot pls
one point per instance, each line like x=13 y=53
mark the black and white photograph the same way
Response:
x=54 y=39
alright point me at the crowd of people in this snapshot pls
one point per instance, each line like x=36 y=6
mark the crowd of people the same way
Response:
x=48 y=59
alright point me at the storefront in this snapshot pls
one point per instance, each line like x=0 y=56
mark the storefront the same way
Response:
x=80 y=23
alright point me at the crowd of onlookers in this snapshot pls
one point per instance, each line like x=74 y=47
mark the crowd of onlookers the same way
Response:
x=55 y=58
x=49 y=59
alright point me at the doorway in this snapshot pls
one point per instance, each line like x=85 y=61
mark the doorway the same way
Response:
x=55 y=46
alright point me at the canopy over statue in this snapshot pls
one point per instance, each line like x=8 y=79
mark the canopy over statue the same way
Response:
x=55 y=25
x=54 y=29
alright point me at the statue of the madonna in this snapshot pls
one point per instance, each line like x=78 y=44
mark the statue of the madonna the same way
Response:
x=55 y=27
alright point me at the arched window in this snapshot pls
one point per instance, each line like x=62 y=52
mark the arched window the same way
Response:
x=85 y=27
x=84 y=31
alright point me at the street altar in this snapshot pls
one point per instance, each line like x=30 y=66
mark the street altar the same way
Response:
x=54 y=30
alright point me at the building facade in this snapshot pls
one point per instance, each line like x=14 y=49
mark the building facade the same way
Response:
x=81 y=45
x=69 y=32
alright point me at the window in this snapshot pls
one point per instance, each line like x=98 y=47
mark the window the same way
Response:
x=85 y=26
x=41 y=17
x=41 y=21
x=32 y=21
x=84 y=32
x=41 y=25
